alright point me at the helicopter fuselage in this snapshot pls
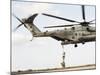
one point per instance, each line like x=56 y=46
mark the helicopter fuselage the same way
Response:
x=71 y=35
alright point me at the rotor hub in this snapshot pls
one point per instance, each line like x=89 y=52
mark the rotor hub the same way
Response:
x=84 y=23
x=24 y=20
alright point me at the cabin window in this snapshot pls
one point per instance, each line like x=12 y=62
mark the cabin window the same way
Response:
x=57 y=29
x=73 y=28
x=65 y=28
x=87 y=28
x=75 y=34
x=73 y=37
x=30 y=26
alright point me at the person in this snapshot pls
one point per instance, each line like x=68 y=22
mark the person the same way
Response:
x=63 y=63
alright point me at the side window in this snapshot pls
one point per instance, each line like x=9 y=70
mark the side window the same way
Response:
x=73 y=28
x=73 y=37
x=65 y=28
x=75 y=34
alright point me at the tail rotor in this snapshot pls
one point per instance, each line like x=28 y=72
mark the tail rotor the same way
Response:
x=25 y=21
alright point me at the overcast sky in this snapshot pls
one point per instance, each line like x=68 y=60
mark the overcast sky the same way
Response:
x=46 y=52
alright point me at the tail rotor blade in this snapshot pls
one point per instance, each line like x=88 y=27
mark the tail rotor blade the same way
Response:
x=17 y=18
x=25 y=21
x=18 y=27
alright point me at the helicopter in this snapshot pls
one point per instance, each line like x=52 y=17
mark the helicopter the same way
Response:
x=80 y=32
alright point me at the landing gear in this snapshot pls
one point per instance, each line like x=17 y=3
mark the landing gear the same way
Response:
x=83 y=42
x=75 y=45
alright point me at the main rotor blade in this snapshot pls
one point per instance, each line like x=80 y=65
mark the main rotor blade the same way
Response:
x=60 y=18
x=61 y=26
x=91 y=23
x=83 y=12
x=92 y=20
x=18 y=27
x=65 y=25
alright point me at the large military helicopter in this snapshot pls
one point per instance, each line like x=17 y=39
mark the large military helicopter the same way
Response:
x=80 y=32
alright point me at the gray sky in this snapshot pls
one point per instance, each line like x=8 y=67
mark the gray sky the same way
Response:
x=47 y=52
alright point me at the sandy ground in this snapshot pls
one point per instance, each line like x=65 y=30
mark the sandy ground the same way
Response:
x=72 y=68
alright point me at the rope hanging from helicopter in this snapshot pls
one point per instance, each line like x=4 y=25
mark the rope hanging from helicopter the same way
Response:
x=63 y=57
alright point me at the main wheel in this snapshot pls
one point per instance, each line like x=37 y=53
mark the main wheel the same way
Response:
x=75 y=45
x=83 y=42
